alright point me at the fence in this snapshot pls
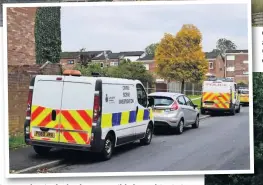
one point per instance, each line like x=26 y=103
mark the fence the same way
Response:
x=257 y=19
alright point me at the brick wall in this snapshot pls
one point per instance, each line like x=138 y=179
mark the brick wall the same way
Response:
x=18 y=83
x=65 y=63
x=21 y=38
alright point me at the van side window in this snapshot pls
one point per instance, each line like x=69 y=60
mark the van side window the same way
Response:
x=141 y=95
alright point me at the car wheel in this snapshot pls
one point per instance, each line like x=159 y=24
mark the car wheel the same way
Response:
x=196 y=124
x=108 y=147
x=148 y=136
x=202 y=111
x=180 y=127
x=41 y=150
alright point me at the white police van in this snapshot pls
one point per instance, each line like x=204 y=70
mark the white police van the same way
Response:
x=86 y=113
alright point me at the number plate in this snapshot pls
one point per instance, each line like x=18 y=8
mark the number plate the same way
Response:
x=157 y=111
x=44 y=134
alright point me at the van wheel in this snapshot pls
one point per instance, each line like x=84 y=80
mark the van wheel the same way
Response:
x=196 y=124
x=238 y=110
x=202 y=111
x=148 y=136
x=108 y=147
x=233 y=110
x=41 y=150
x=180 y=127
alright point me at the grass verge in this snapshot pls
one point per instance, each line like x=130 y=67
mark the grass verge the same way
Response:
x=16 y=142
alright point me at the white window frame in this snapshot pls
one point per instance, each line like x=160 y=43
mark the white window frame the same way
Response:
x=230 y=57
x=231 y=69
x=245 y=62
x=147 y=67
x=70 y=62
x=114 y=63
x=212 y=65
x=245 y=72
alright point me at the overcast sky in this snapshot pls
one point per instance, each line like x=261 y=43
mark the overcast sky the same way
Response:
x=132 y=28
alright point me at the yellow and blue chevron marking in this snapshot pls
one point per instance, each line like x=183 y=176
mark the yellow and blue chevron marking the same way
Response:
x=123 y=118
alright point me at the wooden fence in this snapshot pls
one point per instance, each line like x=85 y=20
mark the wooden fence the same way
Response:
x=257 y=19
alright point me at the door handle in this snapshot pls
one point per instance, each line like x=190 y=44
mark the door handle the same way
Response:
x=53 y=115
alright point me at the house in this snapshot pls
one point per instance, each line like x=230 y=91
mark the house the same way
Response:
x=215 y=64
x=237 y=65
x=68 y=60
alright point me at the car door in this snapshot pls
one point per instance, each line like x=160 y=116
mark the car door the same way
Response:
x=190 y=109
x=182 y=103
x=142 y=112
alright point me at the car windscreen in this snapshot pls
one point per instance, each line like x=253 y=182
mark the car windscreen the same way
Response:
x=160 y=100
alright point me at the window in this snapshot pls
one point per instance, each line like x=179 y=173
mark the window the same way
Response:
x=181 y=100
x=245 y=62
x=70 y=61
x=188 y=101
x=114 y=63
x=146 y=66
x=141 y=95
x=230 y=57
x=211 y=65
x=245 y=72
x=161 y=100
x=230 y=68
x=101 y=64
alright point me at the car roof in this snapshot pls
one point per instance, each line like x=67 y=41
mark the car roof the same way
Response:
x=165 y=94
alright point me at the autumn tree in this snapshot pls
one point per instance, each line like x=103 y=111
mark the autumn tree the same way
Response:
x=180 y=57
x=150 y=50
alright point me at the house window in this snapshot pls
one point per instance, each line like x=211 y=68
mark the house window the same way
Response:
x=245 y=72
x=70 y=61
x=245 y=62
x=230 y=57
x=211 y=65
x=101 y=64
x=146 y=66
x=230 y=69
x=114 y=64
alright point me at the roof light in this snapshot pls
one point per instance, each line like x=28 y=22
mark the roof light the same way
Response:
x=72 y=73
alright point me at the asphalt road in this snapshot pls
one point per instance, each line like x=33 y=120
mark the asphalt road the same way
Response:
x=221 y=143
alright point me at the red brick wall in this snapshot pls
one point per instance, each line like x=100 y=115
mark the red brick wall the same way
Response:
x=20 y=35
x=18 y=83
x=65 y=65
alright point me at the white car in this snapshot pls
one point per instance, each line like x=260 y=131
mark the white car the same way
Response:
x=173 y=110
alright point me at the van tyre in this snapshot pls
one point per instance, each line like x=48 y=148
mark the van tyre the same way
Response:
x=196 y=124
x=148 y=136
x=233 y=110
x=108 y=147
x=202 y=111
x=41 y=150
x=180 y=127
x=238 y=110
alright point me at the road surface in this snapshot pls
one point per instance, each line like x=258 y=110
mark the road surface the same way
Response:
x=221 y=143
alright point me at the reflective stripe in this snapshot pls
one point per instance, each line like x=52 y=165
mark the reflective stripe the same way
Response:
x=218 y=100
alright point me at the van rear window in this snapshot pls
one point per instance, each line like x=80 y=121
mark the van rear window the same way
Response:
x=160 y=100
x=244 y=92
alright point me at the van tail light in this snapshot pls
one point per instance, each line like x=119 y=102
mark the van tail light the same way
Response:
x=29 y=103
x=96 y=108
x=174 y=106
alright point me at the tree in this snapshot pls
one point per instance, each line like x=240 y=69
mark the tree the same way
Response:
x=180 y=57
x=224 y=44
x=150 y=50
x=255 y=179
x=47 y=35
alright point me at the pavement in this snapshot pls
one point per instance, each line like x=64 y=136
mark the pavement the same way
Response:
x=220 y=143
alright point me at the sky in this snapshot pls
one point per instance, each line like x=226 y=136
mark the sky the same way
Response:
x=133 y=28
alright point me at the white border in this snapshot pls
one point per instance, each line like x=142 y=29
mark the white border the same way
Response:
x=138 y=3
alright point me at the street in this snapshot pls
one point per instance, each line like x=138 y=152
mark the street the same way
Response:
x=221 y=143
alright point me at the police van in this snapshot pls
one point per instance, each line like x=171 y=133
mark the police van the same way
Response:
x=220 y=95
x=94 y=114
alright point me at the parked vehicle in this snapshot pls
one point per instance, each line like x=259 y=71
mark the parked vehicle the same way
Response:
x=173 y=110
x=94 y=114
x=220 y=96
x=244 y=97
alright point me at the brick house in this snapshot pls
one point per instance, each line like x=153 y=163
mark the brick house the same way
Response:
x=20 y=36
x=215 y=64
x=237 y=65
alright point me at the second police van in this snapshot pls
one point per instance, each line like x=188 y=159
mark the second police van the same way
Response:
x=220 y=95
x=86 y=113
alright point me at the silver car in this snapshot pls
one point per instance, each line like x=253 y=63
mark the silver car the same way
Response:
x=173 y=110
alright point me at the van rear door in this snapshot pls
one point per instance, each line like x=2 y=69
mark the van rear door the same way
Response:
x=77 y=110
x=46 y=103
